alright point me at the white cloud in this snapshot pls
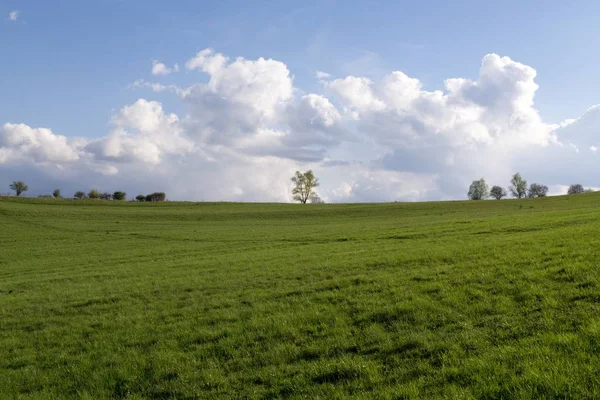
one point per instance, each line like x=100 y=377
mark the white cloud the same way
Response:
x=322 y=75
x=244 y=129
x=13 y=15
x=159 y=68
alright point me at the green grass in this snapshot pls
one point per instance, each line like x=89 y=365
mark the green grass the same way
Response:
x=491 y=300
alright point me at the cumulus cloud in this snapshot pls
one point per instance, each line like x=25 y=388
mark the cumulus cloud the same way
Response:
x=159 y=68
x=245 y=128
x=13 y=15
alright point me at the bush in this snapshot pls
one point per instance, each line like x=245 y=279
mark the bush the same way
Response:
x=94 y=194
x=79 y=195
x=575 y=189
x=56 y=194
x=105 y=196
x=140 y=197
x=537 y=190
x=119 y=195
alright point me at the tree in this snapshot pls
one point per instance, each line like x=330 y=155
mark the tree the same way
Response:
x=478 y=190
x=56 y=194
x=19 y=187
x=537 y=190
x=575 y=189
x=156 y=196
x=105 y=196
x=119 y=195
x=315 y=199
x=94 y=194
x=518 y=186
x=497 y=192
x=79 y=195
x=140 y=197
x=304 y=186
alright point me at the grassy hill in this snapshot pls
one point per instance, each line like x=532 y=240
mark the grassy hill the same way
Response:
x=492 y=299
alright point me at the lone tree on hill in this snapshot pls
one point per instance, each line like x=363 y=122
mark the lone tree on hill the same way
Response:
x=518 y=186
x=56 y=194
x=573 y=189
x=304 y=186
x=19 y=187
x=497 y=192
x=478 y=190
x=537 y=190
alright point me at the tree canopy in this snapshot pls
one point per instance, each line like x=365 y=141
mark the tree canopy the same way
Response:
x=304 y=186
x=19 y=187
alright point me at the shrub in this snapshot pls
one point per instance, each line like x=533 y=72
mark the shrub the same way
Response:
x=105 y=196
x=56 y=194
x=140 y=197
x=94 y=194
x=79 y=195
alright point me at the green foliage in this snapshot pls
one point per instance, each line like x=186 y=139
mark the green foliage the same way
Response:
x=56 y=194
x=79 y=195
x=94 y=194
x=478 y=190
x=497 y=192
x=140 y=197
x=518 y=186
x=119 y=195
x=445 y=300
x=105 y=196
x=304 y=186
x=19 y=187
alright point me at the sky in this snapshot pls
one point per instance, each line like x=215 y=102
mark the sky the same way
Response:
x=384 y=101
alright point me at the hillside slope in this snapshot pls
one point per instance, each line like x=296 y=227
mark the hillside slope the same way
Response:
x=492 y=299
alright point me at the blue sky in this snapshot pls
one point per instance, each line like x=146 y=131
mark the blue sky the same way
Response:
x=69 y=65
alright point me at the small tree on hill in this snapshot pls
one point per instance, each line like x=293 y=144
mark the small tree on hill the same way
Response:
x=19 y=187
x=537 y=190
x=497 y=192
x=140 y=197
x=119 y=195
x=575 y=189
x=94 y=194
x=79 y=195
x=518 y=186
x=56 y=194
x=478 y=190
x=304 y=186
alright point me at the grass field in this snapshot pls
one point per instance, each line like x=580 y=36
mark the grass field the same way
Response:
x=491 y=299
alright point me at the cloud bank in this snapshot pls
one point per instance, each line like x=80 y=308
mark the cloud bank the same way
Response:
x=246 y=128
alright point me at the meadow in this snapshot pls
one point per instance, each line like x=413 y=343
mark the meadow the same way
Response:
x=456 y=300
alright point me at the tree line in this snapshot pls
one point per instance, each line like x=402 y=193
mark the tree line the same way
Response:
x=518 y=188
x=20 y=187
